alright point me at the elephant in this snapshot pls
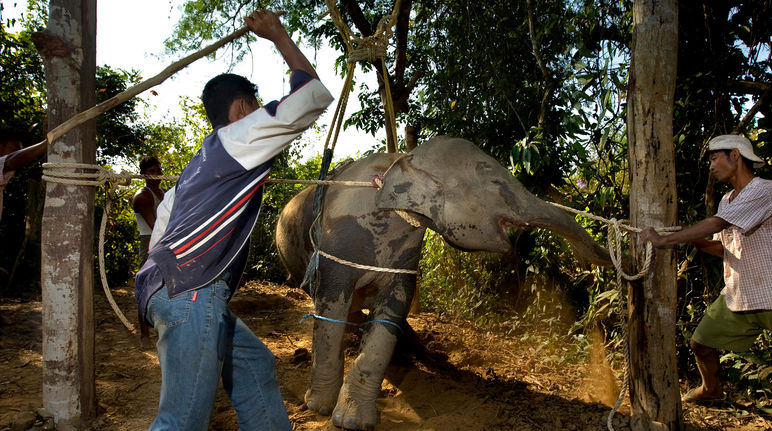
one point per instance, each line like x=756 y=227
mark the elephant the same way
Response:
x=446 y=184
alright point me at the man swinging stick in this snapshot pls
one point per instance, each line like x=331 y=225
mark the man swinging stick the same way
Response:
x=199 y=247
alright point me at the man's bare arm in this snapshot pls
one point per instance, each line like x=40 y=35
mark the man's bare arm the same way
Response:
x=710 y=246
x=25 y=156
x=266 y=24
x=696 y=234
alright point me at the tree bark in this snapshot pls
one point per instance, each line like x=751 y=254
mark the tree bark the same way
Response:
x=654 y=391
x=68 y=218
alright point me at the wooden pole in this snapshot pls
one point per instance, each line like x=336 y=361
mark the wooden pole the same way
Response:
x=68 y=45
x=654 y=391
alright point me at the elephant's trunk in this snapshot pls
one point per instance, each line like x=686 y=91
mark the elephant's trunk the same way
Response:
x=563 y=224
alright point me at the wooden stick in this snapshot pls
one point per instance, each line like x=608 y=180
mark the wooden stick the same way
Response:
x=116 y=100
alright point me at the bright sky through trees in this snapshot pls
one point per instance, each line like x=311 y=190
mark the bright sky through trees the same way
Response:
x=130 y=35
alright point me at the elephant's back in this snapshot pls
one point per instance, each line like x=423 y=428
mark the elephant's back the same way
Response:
x=356 y=201
x=292 y=227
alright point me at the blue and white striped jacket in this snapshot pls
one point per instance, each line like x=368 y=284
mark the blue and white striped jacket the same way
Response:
x=203 y=224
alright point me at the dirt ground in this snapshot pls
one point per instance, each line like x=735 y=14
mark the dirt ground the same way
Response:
x=489 y=381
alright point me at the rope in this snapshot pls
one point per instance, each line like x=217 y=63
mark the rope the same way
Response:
x=103 y=276
x=367 y=267
x=61 y=173
x=615 y=253
x=370 y=48
x=359 y=326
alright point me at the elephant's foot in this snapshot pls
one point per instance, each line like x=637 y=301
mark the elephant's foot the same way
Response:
x=354 y=413
x=321 y=401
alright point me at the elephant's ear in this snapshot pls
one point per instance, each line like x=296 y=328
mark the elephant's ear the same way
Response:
x=408 y=188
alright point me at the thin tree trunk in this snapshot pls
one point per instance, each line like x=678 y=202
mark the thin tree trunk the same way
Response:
x=68 y=45
x=654 y=391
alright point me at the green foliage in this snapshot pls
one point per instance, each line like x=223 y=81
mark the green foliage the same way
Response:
x=468 y=285
x=752 y=371
x=22 y=112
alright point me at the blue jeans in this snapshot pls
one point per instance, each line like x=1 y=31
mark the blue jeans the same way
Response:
x=199 y=340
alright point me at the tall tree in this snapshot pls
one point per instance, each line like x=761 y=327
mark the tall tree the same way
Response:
x=654 y=390
x=68 y=46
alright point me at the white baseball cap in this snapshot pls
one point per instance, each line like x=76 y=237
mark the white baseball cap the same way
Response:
x=730 y=142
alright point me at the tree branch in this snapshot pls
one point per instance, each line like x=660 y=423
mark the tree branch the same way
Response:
x=763 y=100
x=400 y=61
x=549 y=83
x=748 y=87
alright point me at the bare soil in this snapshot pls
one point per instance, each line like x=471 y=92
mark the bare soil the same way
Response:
x=488 y=382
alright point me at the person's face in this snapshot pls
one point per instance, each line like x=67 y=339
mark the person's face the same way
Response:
x=153 y=170
x=723 y=165
x=8 y=147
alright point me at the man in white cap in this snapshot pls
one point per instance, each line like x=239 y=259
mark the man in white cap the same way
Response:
x=742 y=236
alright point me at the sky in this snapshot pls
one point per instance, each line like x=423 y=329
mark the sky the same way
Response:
x=130 y=35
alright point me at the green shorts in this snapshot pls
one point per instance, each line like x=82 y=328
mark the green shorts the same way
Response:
x=724 y=329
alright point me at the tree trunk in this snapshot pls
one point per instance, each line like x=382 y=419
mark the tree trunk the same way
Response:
x=654 y=391
x=68 y=45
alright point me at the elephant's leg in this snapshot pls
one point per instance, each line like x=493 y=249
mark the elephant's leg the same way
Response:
x=327 y=356
x=356 y=407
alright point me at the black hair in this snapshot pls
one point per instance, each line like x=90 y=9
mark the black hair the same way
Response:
x=146 y=162
x=221 y=91
x=748 y=163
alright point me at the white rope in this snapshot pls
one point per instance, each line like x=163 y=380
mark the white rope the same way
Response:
x=105 y=287
x=367 y=267
x=615 y=253
x=64 y=173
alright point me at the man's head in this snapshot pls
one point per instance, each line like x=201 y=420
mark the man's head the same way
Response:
x=9 y=143
x=150 y=165
x=228 y=98
x=727 y=152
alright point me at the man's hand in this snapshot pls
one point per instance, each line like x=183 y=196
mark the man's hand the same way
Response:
x=265 y=24
x=651 y=235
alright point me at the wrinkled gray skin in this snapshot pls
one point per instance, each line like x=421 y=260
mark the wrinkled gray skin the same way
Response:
x=451 y=187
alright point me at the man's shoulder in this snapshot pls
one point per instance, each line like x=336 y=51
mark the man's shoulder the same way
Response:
x=762 y=182
x=142 y=195
x=761 y=188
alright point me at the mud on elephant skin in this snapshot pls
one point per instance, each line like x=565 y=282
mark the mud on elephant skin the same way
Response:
x=446 y=184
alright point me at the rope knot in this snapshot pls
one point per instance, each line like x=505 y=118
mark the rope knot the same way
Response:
x=373 y=47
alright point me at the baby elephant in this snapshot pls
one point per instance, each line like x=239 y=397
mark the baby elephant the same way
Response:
x=447 y=185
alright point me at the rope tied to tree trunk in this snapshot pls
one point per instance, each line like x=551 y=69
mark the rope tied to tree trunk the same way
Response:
x=614 y=241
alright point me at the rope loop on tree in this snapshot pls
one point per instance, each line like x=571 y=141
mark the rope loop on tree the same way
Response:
x=373 y=47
